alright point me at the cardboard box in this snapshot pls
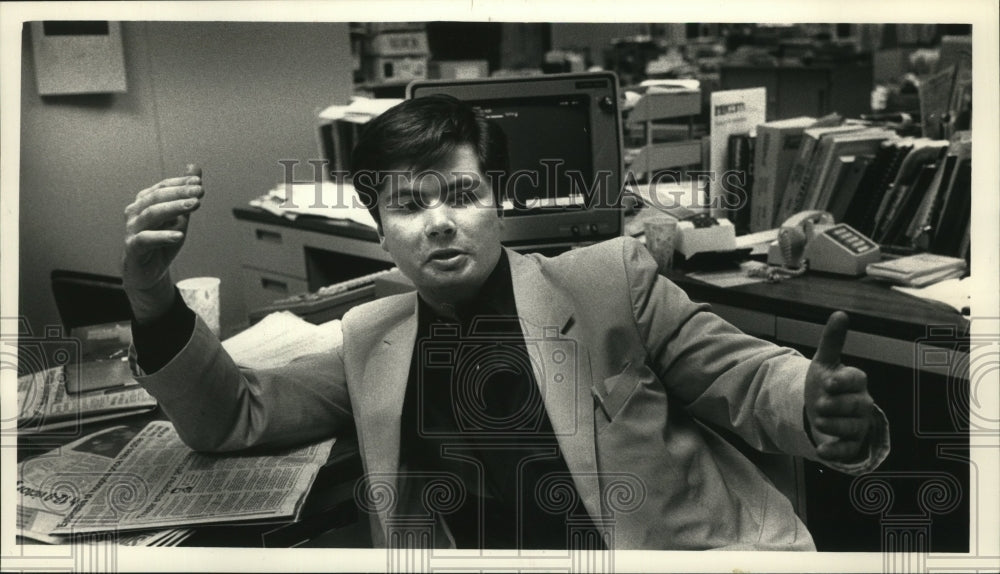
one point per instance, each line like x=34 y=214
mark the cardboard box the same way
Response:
x=396 y=69
x=458 y=69
x=398 y=44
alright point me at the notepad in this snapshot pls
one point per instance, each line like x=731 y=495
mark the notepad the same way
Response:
x=918 y=270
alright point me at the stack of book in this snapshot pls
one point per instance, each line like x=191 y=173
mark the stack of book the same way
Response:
x=906 y=192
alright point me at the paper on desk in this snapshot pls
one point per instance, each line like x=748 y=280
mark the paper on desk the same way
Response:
x=281 y=337
x=51 y=485
x=337 y=200
x=44 y=405
x=729 y=278
x=956 y=293
x=156 y=481
x=757 y=242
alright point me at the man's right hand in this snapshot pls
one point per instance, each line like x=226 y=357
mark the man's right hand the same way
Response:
x=155 y=229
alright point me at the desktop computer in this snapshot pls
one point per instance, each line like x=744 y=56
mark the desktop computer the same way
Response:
x=564 y=139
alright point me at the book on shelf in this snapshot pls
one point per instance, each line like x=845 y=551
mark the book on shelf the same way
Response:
x=777 y=145
x=922 y=151
x=952 y=234
x=861 y=214
x=935 y=92
x=924 y=220
x=741 y=180
x=852 y=169
x=832 y=146
x=731 y=112
x=903 y=211
x=794 y=197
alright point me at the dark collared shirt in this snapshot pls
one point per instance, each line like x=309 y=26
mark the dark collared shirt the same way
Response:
x=473 y=410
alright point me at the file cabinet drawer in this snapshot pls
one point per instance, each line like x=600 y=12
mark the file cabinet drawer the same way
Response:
x=277 y=249
x=262 y=288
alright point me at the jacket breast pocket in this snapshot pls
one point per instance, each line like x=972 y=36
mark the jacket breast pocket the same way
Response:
x=613 y=395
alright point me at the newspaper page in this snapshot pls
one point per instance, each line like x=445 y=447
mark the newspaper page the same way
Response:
x=157 y=482
x=280 y=338
x=51 y=484
x=44 y=404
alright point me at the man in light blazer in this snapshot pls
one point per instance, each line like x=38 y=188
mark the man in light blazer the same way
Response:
x=513 y=400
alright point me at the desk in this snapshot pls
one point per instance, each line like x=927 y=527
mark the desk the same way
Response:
x=283 y=257
x=914 y=352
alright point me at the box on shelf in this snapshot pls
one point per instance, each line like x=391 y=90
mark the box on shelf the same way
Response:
x=398 y=44
x=457 y=69
x=392 y=69
x=382 y=27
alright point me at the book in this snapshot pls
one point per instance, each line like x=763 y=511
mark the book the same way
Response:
x=874 y=185
x=918 y=270
x=853 y=170
x=919 y=232
x=793 y=198
x=905 y=208
x=835 y=145
x=935 y=94
x=731 y=112
x=950 y=236
x=922 y=151
x=740 y=180
x=777 y=145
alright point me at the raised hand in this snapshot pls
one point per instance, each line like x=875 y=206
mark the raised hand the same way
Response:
x=155 y=230
x=838 y=407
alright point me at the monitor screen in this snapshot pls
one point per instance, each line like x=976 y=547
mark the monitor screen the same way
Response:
x=563 y=136
x=550 y=150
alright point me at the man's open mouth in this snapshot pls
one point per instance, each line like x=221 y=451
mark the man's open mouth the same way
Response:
x=445 y=254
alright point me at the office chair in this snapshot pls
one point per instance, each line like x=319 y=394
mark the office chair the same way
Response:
x=88 y=299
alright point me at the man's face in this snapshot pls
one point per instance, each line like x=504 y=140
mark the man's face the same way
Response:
x=441 y=227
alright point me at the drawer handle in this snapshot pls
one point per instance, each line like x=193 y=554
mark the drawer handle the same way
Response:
x=274 y=285
x=266 y=235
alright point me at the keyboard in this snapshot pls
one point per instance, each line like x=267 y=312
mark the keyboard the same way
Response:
x=326 y=303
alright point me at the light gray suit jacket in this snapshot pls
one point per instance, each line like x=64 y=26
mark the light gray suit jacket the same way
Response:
x=627 y=365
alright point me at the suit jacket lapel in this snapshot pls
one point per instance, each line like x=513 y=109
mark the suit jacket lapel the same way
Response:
x=382 y=404
x=562 y=369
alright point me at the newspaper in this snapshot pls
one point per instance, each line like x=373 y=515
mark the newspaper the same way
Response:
x=48 y=486
x=44 y=405
x=157 y=482
x=281 y=337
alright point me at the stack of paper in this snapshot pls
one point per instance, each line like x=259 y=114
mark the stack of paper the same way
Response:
x=360 y=110
x=44 y=405
x=280 y=338
x=332 y=200
x=166 y=485
x=918 y=270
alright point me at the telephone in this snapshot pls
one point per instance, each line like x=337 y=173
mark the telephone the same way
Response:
x=812 y=240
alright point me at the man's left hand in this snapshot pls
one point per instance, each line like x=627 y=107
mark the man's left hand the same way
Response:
x=838 y=406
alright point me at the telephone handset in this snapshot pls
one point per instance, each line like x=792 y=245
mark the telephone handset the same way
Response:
x=812 y=240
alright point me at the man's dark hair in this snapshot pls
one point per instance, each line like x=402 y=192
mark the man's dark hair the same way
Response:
x=417 y=135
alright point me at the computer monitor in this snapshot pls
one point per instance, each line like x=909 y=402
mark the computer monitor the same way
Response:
x=564 y=145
